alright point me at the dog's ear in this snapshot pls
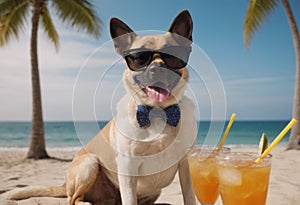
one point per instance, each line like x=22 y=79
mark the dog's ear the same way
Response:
x=182 y=25
x=121 y=34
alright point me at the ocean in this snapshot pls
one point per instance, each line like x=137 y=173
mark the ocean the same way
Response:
x=65 y=134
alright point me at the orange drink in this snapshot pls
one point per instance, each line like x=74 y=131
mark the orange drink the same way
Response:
x=242 y=181
x=204 y=174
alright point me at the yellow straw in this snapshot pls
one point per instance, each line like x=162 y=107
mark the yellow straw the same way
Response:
x=226 y=131
x=276 y=140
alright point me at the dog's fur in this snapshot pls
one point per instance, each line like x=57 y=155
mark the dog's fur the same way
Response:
x=92 y=176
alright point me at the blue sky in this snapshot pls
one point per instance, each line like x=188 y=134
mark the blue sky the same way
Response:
x=258 y=82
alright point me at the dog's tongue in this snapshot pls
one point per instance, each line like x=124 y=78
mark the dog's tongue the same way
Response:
x=157 y=94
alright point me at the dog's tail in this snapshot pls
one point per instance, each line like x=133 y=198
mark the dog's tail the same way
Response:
x=35 y=191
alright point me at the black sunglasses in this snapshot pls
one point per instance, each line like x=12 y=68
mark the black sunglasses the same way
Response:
x=175 y=57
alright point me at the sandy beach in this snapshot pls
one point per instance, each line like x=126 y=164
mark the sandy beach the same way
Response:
x=284 y=188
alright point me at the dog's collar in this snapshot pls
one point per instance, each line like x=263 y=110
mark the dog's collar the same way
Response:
x=144 y=115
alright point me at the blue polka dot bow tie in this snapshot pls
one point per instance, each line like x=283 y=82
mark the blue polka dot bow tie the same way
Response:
x=170 y=115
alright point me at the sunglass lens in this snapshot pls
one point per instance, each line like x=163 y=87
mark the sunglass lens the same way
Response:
x=138 y=59
x=175 y=57
x=173 y=62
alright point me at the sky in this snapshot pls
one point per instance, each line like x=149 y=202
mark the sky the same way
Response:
x=82 y=81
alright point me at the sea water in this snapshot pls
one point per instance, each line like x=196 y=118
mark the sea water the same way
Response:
x=70 y=134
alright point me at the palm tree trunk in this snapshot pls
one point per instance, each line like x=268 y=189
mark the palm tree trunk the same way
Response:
x=37 y=143
x=294 y=142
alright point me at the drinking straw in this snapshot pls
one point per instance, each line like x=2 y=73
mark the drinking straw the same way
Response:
x=226 y=131
x=276 y=140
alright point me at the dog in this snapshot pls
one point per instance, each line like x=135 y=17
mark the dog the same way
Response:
x=141 y=149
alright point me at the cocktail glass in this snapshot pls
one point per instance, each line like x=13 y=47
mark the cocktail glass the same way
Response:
x=204 y=174
x=242 y=181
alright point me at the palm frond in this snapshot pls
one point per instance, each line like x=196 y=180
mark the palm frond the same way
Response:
x=257 y=13
x=79 y=14
x=13 y=16
x=7 y=5
x=49 y=27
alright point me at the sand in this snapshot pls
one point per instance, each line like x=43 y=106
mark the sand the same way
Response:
x=284 y=188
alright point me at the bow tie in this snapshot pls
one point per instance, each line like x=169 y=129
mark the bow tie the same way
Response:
x=170 y=115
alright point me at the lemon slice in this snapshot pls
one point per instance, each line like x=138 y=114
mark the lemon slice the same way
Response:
x=263 y=143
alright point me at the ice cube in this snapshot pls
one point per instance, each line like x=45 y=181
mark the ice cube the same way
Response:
x=205 y=173
x=230 y=177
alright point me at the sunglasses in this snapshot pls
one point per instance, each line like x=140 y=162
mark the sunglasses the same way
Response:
x=175 y=57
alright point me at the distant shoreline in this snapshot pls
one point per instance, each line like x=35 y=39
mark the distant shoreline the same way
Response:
x=77 y=148
x=51 y=149
x=68 y=134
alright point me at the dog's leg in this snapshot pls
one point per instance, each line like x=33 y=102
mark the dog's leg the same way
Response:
x=128 y=189
x=186 y=183
x=81 y=175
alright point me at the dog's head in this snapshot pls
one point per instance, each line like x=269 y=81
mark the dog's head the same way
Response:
x=156 y=73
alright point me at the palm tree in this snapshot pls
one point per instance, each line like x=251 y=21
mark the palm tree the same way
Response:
x=13 y=16
x=257 y=12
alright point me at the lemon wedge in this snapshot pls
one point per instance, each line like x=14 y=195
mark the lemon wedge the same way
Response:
x=263 y=144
